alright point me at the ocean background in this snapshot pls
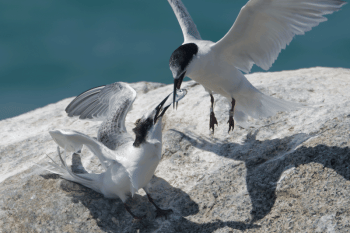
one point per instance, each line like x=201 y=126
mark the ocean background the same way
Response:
x=54 y=49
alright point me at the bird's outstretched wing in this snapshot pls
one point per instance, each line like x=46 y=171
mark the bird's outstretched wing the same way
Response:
x=264 y=27
x=109 y=103
x=189 y=29
x=73 y=141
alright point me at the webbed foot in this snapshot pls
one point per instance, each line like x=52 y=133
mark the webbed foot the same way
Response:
x=159 y=212
x=137 y=218
x=212 y=121
x=231 y=124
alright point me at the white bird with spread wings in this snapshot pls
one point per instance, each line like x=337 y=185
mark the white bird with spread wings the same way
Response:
x=129 y=163
x=262 y=29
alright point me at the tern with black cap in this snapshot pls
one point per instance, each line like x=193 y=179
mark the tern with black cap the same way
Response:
x=129 y=163
x=262 y=29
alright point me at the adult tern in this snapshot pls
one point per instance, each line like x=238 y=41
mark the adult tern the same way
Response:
x=262 y=29
x=129 y=164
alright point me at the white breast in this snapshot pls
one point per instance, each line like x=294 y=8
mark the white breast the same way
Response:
x=148 y=163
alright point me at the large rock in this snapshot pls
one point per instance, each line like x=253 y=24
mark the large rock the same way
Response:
x=289 y=172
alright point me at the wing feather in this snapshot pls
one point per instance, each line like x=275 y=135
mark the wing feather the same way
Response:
x=264 y=27
x=188 y=27
x=90 y=97
x=72 y=140
x=109 y=103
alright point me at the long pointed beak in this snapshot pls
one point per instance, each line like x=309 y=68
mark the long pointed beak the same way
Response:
x=165 y=104
x=177 y=85
x=160 y=107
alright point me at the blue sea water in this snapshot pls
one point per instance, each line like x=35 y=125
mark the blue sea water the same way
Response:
x=54 y=49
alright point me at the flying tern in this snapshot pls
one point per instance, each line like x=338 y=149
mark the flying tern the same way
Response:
x=262 y=29
x=129 y=163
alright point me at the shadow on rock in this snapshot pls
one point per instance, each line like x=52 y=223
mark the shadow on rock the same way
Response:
x=265 y=162
x=111 y=216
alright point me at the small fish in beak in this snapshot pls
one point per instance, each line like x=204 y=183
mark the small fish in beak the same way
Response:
x=177 y=86
x=165 y=104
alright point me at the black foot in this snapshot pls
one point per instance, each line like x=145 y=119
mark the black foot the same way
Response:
x=212 y=121
x=159 y=212
x=231 y=123
x=163 y=213
x=137 y=218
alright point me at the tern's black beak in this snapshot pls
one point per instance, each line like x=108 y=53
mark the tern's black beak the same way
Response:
x=160 y=110
x=177 y=85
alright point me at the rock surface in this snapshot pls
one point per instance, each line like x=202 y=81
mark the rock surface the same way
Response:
x=286 y=173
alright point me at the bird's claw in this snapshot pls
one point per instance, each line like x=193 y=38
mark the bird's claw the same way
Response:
x=231 y=123
x=139 y=219
x=165 y=213
x=212 y=121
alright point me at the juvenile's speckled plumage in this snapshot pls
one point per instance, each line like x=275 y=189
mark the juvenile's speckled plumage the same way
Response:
x=129 y=164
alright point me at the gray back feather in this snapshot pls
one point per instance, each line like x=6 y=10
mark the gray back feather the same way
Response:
x=109 y=103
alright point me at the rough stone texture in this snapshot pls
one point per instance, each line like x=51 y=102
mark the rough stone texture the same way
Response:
x=286 y=173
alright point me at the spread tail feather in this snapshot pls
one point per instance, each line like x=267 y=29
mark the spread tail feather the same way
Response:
x=258 y=105
x=89 y=180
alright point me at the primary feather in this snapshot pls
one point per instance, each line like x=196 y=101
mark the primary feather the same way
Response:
x=262 y=29
x=109 y=104
x=189 y=29
x=129 y=163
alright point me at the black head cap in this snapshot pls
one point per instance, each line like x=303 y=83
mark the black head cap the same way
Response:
x=181 y=57
x=142 y=126
x=179 y=60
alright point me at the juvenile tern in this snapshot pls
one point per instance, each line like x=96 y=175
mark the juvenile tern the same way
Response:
x=129 y=164
x=262 y=29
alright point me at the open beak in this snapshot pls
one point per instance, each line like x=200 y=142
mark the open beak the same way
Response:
x=160 y=110
x=177 y=85
x=165 y=104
